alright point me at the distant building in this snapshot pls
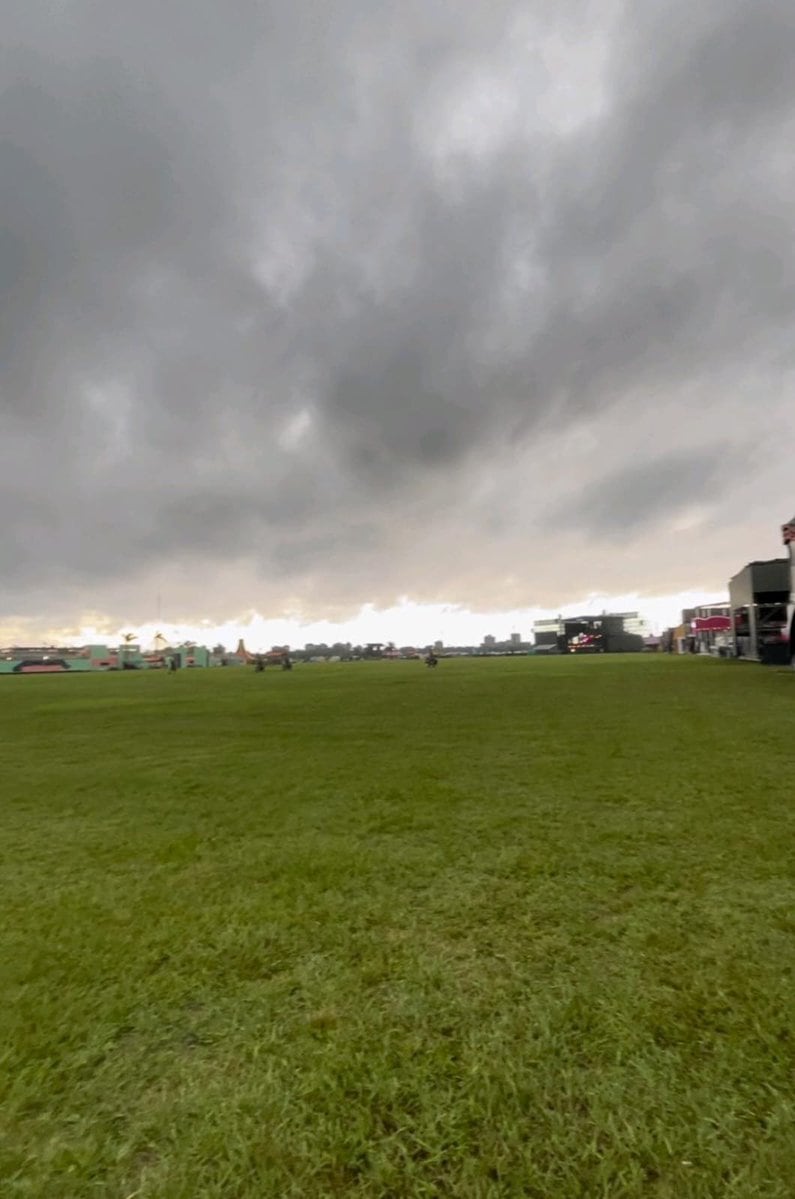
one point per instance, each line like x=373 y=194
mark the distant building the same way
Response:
x=79 y=659
x=633 y=623
x=489 y=641
x=705 y=629
x=516 y=639
x=712 y=629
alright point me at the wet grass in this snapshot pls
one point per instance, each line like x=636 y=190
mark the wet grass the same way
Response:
x=510 y=928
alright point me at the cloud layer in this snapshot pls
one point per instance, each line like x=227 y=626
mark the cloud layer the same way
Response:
x=304 y=306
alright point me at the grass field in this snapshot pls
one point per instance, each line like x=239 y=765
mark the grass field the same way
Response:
x=509 y=928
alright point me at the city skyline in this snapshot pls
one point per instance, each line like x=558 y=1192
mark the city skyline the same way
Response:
x=405 y=624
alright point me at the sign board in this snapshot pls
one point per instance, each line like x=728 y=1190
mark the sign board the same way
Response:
x=712 y=624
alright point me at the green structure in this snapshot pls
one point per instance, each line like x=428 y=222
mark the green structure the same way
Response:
x=51 y=659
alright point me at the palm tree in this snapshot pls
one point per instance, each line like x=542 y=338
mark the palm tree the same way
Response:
x=160 y=646
x=128 y=639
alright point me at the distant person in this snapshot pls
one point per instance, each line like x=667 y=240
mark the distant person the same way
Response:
x=286 y=663
x=172 y=664
x=259 y=663
x=431 y=659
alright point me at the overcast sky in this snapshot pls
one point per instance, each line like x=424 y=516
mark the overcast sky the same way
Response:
x=309 y=305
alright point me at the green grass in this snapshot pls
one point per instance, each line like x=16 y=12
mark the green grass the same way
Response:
x=509 y=928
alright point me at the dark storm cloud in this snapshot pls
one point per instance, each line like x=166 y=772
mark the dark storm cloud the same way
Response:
x=273 y=275
x=643 y=494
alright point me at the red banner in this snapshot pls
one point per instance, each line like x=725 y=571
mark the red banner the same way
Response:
x=712 y=624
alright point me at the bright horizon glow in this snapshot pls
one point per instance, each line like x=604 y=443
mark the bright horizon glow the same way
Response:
x=405 y=623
